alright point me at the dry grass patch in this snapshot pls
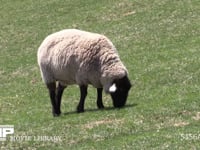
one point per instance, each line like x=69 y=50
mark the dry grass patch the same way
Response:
x=197 y=117
x=181 y=124
x=106 y=121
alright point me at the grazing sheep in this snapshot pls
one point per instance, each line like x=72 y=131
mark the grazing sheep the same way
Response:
x=78 y=57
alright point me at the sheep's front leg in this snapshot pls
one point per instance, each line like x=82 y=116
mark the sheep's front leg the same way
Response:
x=52 y=93
x=99 y=98
x=59 y=92
x=83 y=91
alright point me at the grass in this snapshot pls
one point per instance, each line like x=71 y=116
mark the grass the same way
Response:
x=157 y=40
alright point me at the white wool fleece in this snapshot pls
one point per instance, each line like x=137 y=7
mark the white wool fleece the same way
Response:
x=78 y=57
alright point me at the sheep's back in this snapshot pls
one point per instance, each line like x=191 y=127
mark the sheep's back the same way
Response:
x=72 y=56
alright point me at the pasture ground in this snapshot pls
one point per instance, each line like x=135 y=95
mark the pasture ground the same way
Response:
x=158 y=41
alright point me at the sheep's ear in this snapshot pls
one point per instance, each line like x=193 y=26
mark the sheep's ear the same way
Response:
x=112 y=88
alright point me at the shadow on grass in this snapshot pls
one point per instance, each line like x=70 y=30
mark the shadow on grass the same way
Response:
x=105 y=109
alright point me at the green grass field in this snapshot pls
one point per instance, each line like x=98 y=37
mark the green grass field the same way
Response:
x=158 y=41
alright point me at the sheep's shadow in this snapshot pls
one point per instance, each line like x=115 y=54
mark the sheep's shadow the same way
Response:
x=104 y=109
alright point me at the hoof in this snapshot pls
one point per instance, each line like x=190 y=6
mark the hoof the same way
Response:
x=80 y=110
x=56 y=114
x=100 y=106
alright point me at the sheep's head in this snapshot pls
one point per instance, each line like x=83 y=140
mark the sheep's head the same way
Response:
x=119 y=91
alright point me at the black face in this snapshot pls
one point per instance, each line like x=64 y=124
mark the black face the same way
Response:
x=119 y=97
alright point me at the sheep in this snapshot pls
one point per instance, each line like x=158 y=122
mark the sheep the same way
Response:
x=74 y=56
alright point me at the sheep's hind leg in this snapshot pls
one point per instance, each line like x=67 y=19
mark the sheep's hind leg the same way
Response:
x=59 y=93
x=52 y=93
x=83 y=91
x=99 y=98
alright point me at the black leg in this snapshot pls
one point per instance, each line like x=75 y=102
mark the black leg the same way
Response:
x=99 y=98
x=52 y=93
x=83 y=90
x=59 y=92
